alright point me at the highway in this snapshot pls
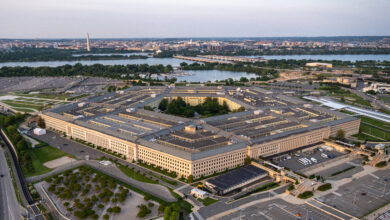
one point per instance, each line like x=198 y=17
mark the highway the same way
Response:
x=32 y=206
x=9 y=206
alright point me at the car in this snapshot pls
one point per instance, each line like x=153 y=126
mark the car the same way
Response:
x=288 y=157
x=363 y=194
x=313 y=159
x=1 y=175
x=81 y=151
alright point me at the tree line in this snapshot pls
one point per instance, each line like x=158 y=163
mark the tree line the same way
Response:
x=11 y=123
x=51 y=54
x=98 y=70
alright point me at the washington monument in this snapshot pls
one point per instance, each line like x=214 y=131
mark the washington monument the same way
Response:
x=88 y=47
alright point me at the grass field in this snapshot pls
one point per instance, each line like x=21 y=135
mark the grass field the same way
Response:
x=378 y=123
x=77 y=97
x=44 y=96
x=207 y=201
x=135 y=175
x=40 y=156
x=23 y=109
x=371 y=133
x=20 y=104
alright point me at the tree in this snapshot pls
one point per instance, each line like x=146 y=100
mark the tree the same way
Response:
x=243 y=79
x=190 y=178
x=167 y=212
x=247 y=160
x=340 y=134
x=161 y=208
x=163 y=105
x=21 y=145
x=41 y=123
x=371 y=92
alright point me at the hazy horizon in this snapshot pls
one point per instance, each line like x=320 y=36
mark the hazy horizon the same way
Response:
x=54 y=19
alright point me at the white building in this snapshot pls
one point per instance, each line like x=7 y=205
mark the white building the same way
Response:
x=326 y=65
x=39 y=131
x=199 y=193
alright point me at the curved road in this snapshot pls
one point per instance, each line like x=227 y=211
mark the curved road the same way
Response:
x=9 y=206
x=32 y=206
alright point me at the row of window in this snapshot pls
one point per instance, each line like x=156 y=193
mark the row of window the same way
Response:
x=164 y=161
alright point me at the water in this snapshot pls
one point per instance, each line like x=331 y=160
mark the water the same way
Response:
x=211 y=75
x=150 y=61
x=344 y=57
x=110 y=54
x=176 y=62
x=200 y=75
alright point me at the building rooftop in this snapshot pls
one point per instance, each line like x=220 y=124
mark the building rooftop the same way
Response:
x=268 y=116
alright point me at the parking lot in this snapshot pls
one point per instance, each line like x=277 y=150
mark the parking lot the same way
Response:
x=362 y=195
x=278 y=209
x=295 y=165
x=330 y=172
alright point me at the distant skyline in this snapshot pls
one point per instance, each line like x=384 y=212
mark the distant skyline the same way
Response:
x=192 y=18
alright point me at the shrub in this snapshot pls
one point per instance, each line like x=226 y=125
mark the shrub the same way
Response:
x=381 y=164
x=305 y=195
x=106 y=216
x=116 y=209
x=150 y=204
x=325 y=187
x=143 y=211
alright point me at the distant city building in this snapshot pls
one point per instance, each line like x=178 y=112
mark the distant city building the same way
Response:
x=88 y=46
x=326 y=65
x=378 y=87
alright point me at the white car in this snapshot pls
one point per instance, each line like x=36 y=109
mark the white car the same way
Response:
x=313 y=159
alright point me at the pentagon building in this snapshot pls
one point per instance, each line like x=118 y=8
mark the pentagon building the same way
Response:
x=272 y=124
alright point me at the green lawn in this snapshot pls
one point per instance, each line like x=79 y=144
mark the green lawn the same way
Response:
x=24 y=109
x=78 y=97
x=370 y=133
x=365 y=137
x=378 y=123
x=207 y=201
x=23 y=105
x=135 y=175
x=45 y=96
x=40 y=156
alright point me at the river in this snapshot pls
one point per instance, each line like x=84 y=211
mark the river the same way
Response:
x=211 y=75
x=197 y=76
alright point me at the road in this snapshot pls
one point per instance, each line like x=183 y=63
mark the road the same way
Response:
x=9 y=206
x=19 y=177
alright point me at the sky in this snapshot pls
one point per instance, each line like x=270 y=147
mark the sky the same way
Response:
x=192 y=18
